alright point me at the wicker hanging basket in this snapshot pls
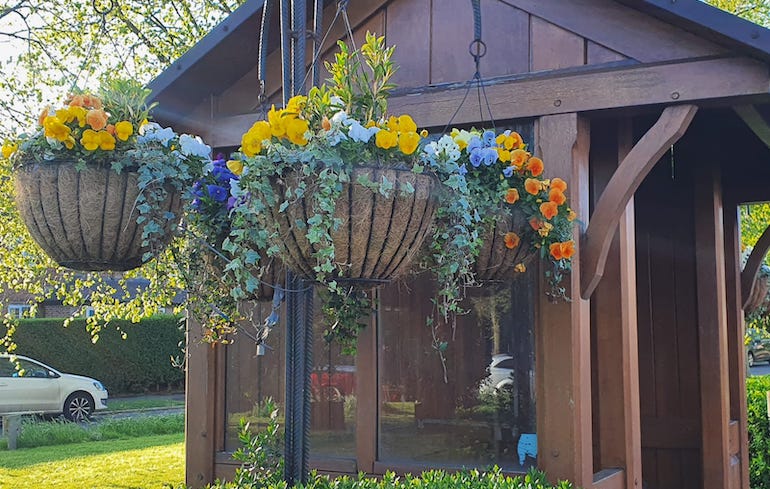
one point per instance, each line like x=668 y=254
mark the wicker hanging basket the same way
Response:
x=378 y=236
x=758 y=296
x=86 y=220
x=496 y=261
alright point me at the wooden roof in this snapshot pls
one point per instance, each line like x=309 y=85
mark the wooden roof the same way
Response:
x=618 y=35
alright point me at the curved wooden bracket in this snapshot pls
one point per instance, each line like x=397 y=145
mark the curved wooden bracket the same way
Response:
x=751 y=270
x=669 y=128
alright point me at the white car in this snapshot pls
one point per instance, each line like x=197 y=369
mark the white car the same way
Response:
x=500 y=374
x=39 y=389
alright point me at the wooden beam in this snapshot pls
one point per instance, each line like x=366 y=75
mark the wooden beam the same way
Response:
x=755 y=121
x=367 y=394
x=614 y=318
x=640 y=160
x=200 y=389
x=754 y=262
x=563 y=339
x=560 y=92
x=712 y=322
x=610 y=479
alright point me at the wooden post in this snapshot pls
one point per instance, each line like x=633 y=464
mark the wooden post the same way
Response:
x=200 y=396
x=11 y=429
x=712 y=326
x=367 y=394
x=736 y=352
x=613 y=316
x=563 y=338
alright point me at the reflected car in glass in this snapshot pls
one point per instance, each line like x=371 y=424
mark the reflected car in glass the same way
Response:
x=36 y=388
x=757 y=346
x=499 y=374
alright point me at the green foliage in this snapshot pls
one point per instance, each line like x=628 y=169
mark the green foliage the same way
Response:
x=757 y=11
x=138 y=363
x=759 y=431
x=40 y=434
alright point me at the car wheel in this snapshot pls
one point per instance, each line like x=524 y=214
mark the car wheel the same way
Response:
x=78 y=406
x=751 y=359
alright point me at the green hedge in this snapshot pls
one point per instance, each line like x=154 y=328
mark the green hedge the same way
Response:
x=759 y=431
x=139 y=363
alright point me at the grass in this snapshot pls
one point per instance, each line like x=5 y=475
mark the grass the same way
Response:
x=137 y=463
x=131 y=404
x=39 y=433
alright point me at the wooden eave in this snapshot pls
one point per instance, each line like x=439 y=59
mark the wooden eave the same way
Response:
x=229 y=52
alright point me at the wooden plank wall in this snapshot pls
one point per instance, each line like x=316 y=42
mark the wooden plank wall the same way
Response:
x=668 y=329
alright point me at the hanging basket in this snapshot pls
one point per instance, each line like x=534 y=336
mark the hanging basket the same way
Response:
x=86 y=220
x=496 y=261
x=378 y=236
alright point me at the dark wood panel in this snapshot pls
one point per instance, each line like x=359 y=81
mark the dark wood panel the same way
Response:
x=670 y=432
x=405 y=28
x=451 y=24
x=553 y=47
x=597 y=54
x=622 y=29
x=506 y=33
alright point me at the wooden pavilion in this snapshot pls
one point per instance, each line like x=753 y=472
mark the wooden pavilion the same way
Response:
x=658 y=112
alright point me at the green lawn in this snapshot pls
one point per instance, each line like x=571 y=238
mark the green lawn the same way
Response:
x=118 y=404
x=137 y=463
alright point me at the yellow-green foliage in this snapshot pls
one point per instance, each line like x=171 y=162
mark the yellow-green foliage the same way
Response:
x=139 y=463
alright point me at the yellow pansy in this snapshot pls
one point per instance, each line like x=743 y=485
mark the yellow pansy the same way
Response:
x=78 y=113
x=106 y=141
x=235 y=166
x=408 y=141
x=406 y=124
x=69 y=143
x=386 y=139
x=123 y=130
x=295 y=131
x=54 y=128
x=251 y=142
x=296 y=104
x=9 y=148
x=90 y=140
x=461 y=138
x=277 y=122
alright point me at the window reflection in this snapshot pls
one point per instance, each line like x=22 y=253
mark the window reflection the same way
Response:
x=484 y=412
x=252 y=379
x=333 y=398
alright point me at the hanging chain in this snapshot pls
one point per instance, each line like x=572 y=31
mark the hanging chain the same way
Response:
x=477 y=49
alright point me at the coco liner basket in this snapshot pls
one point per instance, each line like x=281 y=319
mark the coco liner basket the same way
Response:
x=496 y=261
x=86 y=220
x=378 y=236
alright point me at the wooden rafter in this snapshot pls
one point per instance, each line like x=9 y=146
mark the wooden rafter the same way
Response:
x=756 y=122
x=670 y=127
x=751 y=270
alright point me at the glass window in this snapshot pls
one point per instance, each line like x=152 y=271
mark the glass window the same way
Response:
x=252 y=379
x=7 y=367
x=19 y=311
x=333 y=399
x=477 y=407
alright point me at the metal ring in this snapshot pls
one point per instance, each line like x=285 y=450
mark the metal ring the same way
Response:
x=479 y=47
x=106 y=11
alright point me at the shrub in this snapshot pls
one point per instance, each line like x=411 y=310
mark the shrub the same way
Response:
x=759 y=431
x=141 y=362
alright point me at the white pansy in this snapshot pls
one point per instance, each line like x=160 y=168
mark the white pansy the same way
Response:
x=193 y=146
x=340 y=117
x=359 y=133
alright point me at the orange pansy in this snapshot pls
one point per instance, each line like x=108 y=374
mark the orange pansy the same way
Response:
x=555 y=250
x=535 y=223
x=511 y=240
x=549 y=209
x=511 y=195
x=556 y=196
x=535 y=166
x=533 y=186
x=326 y=124
x=519 y=157
x=567 y=249
x=560 y=184
x=97 y=119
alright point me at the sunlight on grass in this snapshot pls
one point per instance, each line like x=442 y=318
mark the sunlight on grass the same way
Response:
x=139 y=463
